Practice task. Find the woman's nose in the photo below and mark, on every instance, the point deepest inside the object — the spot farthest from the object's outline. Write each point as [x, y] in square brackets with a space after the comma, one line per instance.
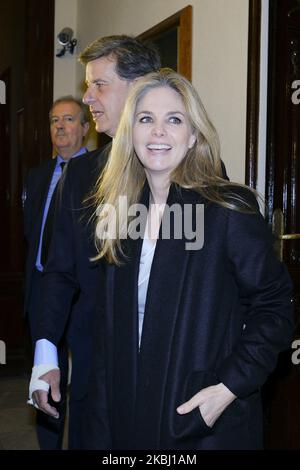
[158, 129]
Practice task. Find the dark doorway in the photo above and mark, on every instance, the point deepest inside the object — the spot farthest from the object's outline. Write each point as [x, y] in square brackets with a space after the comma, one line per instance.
[5, 132]
[282, 391]
[26, 67]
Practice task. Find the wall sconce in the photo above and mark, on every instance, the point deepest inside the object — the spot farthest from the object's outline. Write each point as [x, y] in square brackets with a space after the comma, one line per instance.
[66, 40]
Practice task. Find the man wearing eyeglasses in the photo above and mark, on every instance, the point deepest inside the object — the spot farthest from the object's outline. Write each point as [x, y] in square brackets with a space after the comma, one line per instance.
[69, 124]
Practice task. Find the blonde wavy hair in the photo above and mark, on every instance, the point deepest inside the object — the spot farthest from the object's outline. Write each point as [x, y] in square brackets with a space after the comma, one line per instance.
[124, 175]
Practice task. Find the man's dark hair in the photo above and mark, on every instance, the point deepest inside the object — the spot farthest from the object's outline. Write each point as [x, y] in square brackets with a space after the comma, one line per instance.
[84, 109]
[134, 58]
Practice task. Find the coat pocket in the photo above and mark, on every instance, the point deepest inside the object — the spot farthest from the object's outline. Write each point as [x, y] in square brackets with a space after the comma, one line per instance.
[192, 424]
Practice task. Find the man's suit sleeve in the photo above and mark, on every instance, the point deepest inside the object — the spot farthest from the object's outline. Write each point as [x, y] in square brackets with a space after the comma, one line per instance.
[59, 283]
[266, 286]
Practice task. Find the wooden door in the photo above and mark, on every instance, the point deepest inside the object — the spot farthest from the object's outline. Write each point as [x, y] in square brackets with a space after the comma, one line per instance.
[4, 173]
[38, 81]
[25, 146]
[282, 391]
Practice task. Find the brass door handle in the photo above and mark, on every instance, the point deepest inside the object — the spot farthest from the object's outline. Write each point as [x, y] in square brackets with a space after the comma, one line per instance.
[289, 236]
[278, 229]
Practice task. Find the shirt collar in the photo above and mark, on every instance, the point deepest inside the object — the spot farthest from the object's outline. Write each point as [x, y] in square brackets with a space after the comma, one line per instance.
[81, 151]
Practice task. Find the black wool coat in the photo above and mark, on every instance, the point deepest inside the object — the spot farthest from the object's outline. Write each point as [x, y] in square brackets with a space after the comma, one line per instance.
[218, 314]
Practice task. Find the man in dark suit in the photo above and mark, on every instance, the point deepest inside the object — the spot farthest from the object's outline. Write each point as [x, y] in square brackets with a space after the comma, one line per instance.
[71, 278]
[69, 124]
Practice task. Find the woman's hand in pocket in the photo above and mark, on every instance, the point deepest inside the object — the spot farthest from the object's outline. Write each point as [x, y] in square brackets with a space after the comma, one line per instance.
[212, 401]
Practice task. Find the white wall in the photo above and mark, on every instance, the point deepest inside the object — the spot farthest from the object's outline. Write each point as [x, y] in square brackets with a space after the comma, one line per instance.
[220, 34]
[65, 66]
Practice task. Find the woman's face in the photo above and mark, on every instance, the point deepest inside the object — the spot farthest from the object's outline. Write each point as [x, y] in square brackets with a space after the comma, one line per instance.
[162, 133]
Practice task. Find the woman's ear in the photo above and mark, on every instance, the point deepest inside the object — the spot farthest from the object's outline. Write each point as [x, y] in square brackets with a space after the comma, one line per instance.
[192, 141]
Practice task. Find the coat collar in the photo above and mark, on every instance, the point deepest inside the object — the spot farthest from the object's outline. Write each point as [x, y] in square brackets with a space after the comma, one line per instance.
[167, 272]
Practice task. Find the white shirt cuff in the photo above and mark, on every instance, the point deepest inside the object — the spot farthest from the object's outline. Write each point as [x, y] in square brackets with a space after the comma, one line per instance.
[45, 353]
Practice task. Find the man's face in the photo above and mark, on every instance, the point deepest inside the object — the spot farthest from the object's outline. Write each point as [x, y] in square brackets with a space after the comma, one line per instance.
[106, 94]
[66, 130]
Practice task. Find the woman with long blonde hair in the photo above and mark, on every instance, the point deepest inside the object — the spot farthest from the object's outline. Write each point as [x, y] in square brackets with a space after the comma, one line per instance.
[197, 306]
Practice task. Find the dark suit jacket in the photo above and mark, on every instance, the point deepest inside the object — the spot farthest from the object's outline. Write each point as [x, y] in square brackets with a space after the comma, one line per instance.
[37, 187]
[218, 314]
[70, 278]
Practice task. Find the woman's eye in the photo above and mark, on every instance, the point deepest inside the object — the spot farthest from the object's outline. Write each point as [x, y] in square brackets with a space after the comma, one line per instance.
[145, 119]
[175, 120]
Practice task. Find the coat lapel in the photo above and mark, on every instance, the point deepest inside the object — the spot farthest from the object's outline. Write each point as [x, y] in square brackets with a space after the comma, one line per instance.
[166, 282]
[168, 274]
[126, 337]
[141, 373]
[43, 182]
